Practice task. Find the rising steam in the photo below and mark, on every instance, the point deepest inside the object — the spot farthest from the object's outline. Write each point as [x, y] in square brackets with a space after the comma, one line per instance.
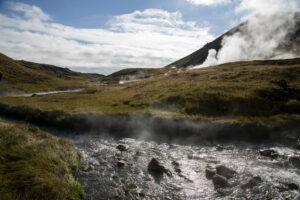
[261, 37]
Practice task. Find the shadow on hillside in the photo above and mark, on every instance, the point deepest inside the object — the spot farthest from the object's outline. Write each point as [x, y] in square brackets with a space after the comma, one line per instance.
[148, 127]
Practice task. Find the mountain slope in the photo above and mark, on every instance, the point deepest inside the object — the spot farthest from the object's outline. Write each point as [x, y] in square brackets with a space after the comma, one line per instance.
[198, 57]
[22, 76]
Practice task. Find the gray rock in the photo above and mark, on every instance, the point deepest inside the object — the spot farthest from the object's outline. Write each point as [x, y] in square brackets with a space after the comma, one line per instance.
[292, 186]
[122, 147]
[219, 148]
[224, 192]
[251, 182]
[297, 145]
[269, 153]
[156, 166]
[295, 160]
[225, 171]
[219, 181]
[121, 163]
[176, 166]
[287, 186]
[209, 172]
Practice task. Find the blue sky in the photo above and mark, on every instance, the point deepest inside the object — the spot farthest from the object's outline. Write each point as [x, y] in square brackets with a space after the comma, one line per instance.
[118, 33]
[96, 13]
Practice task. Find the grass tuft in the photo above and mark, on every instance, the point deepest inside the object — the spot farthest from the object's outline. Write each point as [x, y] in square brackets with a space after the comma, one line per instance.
[37, 166]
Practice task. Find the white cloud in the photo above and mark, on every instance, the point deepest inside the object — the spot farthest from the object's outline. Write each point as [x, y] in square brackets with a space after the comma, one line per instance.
[150, 38]
[210, 2]
[30, 12]
[267, 7]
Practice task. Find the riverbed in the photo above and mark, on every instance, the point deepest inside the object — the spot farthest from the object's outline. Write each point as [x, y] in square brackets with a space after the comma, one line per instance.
[103, 178]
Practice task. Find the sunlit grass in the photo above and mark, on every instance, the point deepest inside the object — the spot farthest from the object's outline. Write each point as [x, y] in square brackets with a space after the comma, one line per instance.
[35, 165]
[243, 90]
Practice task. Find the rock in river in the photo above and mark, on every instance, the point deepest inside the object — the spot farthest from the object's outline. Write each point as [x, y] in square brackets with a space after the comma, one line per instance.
[295, 160]
[225, 171]
[219, 181]
[121, 163]
[269, 153]
[209, 172]
[156, 166]
[122, 147]
[251, 182]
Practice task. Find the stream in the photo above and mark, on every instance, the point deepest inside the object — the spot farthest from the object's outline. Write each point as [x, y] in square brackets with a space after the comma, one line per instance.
[40, 93]
[103, 177]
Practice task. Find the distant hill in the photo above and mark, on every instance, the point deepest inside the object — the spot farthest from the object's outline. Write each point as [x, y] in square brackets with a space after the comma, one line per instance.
[59, 72]
[23, 76]
[133, 74]
[198, 57]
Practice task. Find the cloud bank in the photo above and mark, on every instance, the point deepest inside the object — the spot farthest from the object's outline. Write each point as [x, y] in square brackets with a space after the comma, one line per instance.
[210, 2]
[149, 38]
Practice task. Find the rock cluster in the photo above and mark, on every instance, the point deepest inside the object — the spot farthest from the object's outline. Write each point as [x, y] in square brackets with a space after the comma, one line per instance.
[219, 175]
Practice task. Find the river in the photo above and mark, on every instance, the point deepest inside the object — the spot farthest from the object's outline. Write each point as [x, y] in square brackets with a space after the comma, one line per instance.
[102, 178]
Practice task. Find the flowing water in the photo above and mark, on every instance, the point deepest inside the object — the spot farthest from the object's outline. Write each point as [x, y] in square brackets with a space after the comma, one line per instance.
[103, 179]
[40, 93]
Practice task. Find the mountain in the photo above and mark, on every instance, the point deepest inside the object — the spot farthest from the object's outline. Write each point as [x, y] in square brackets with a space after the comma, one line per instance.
[292, 38]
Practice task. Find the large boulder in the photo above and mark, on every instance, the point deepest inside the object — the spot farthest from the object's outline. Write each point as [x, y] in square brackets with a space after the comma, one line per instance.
[220, 181]
[225, 171]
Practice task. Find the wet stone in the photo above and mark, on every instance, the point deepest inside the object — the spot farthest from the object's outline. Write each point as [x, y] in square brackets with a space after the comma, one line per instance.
[251, 182]
[224, 192]
[219, 148]
[209, 172]
[122, 147]
[219, 181]
[295, 160]
[225, 171]
[287, 186]
[176, 166]
[121, 163]
[156, 166]
[297, 146]
[269, 153]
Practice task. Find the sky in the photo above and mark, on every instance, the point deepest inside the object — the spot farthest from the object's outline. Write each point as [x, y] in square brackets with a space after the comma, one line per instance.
[114, 34]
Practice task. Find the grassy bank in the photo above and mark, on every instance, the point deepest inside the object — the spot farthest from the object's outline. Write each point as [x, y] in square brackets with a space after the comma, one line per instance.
[247, 91]
[161, 128]
[37, 166]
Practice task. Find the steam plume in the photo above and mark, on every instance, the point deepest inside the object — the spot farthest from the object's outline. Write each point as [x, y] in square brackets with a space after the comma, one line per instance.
[271, 35]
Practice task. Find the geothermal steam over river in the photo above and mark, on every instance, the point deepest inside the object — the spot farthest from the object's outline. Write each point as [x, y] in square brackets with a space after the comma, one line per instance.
[118, 169]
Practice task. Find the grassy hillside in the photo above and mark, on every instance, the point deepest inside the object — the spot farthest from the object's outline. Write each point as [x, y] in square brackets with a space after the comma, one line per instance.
[22, 76]
[132, 74]
[257, 89]
[37, 166]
